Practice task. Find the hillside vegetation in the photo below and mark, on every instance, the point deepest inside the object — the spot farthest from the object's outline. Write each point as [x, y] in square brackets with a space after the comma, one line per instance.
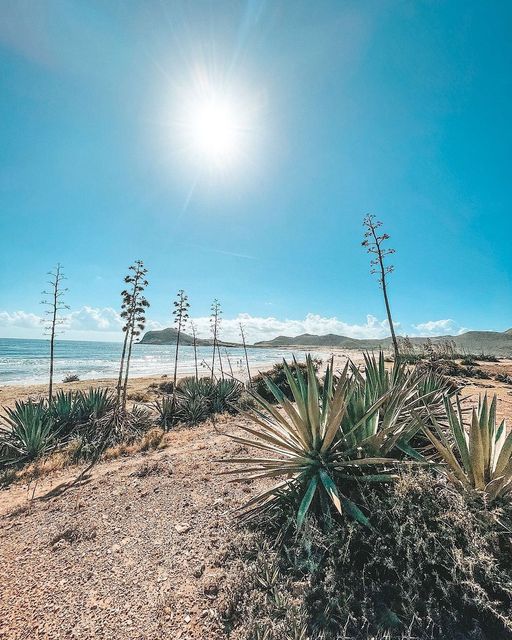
[491, 342]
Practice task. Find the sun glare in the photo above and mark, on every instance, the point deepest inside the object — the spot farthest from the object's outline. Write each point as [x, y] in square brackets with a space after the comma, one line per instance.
[215, 132]
[215, 126]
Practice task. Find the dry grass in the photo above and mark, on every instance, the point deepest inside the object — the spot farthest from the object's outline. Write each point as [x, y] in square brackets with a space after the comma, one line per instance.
[152, 440]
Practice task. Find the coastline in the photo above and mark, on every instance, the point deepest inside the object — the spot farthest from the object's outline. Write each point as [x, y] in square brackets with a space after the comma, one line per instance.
[11, 392]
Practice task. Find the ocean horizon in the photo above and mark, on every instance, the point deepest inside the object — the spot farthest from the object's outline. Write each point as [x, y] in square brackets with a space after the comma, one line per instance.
[26, 361]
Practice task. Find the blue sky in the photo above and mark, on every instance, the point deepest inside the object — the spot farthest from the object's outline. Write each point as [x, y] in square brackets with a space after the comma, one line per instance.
[397, 108]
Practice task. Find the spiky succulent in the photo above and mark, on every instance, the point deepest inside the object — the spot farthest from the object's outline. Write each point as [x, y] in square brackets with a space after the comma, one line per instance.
[28, 433]
[323, 439]
[477, 455]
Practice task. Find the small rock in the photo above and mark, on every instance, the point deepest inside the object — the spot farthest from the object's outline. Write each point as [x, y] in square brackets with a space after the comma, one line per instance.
[116, 548]
[198, 571]
[182, 527]
[187, 619]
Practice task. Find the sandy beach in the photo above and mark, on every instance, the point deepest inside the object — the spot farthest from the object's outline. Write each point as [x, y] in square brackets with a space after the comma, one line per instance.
[145, 388]
[145, 385]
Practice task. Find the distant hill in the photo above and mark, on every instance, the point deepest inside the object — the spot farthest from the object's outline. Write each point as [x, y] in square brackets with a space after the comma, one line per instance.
[491, 342]
[169, 336]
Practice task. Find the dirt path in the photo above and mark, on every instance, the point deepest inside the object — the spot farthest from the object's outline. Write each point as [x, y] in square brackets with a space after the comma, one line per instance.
[131, 554]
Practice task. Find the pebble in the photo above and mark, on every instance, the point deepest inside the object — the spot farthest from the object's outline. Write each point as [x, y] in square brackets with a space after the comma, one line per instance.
[182, 528]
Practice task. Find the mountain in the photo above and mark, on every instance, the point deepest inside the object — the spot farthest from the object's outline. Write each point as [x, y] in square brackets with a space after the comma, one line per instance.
[169, 336]
[490, 342]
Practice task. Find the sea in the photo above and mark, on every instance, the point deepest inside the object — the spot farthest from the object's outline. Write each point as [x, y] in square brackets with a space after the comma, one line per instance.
[26, 362]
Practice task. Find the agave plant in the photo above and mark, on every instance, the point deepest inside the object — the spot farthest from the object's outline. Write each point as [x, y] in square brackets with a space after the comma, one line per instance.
[28, 433]
[478, 455]
[226, 393]
[316, 453]
[194, 409]
[413, 395]
[167, 410]
[202, 387]
[95, 404]
[65, 412]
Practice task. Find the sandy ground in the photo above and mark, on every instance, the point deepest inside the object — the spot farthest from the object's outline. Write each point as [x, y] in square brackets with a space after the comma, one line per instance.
[135, 552]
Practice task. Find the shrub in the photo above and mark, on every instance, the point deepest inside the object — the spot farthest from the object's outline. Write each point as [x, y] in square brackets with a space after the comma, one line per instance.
[71, 377]
[139, 396]
[485, 357]
[431, 566]
[451, 369]
[152, 439]
[277, 375]
[166, 387]
[503, 377]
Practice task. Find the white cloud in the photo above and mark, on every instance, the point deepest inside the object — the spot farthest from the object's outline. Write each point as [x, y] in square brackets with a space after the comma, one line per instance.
[439, 327]
[104, 323]
[19, 319]
[85, 323]
[93, 319]
[264, 328]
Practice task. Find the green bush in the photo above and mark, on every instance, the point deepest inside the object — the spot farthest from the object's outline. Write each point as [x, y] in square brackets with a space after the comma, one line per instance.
[431, 566]
[71, 377]
[452, 369]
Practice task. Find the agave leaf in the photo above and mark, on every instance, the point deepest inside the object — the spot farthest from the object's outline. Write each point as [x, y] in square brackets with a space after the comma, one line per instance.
[331, 489]
[355, 512]
[456, 423]
[327, 390]
[447, 455]
[477, 453]
[313, 403]
[306, 501]
[504, 450]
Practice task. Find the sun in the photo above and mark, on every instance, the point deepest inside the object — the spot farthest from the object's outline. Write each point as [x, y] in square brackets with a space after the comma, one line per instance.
[215, 131]
[215, 126]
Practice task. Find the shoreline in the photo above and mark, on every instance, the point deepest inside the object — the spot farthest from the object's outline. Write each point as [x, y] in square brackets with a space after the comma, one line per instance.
[11, 392]
[25, 369]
